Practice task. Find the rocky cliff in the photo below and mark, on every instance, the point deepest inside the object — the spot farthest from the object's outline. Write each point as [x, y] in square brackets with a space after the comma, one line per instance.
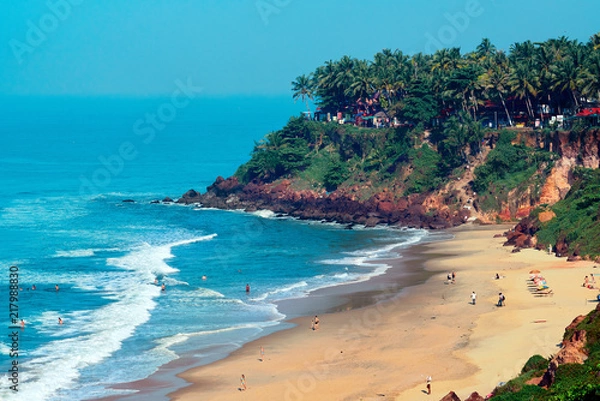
[451, 205]
[341, 206]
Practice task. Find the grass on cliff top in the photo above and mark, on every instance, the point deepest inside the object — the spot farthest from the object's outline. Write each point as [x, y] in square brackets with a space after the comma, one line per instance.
[577, 216]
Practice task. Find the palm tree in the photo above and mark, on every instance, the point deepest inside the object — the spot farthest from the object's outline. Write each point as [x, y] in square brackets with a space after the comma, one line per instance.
[565, 77]
[485, 51]
[595, 41]
[523, 83]
[362, 81]
[303, 89]
[345, 73]
[446, 59]
[496, 80]
[589, 79]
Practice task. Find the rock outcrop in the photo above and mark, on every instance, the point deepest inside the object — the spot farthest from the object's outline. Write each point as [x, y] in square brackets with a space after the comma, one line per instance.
[451, 396]
[572, 349]
[475, 397]
[339, 206]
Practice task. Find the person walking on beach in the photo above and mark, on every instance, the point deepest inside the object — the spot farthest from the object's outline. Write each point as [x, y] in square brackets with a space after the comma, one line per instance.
[473, 297]
[501, 299]
[315, 323]
[243, 383]
[262, 354]
[428, 384]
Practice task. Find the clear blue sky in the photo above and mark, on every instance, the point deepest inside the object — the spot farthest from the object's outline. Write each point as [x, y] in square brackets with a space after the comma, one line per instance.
[141, 47]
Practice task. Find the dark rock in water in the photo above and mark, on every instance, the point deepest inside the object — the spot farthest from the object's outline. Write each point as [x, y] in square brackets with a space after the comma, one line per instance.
[154, 201]
[189, 197]
[475, 397]
[167, 200]
[371, 222]
[128, 201]
[451, 396]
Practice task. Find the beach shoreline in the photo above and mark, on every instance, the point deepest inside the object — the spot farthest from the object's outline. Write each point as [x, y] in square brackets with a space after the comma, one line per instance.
[381, 338]
[402, 272]
[389, 348]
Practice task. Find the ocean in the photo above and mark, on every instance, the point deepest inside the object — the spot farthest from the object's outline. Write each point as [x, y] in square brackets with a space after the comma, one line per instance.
[99, 263]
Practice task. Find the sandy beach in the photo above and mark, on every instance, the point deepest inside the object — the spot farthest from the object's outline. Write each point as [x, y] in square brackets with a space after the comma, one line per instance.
[387, 350]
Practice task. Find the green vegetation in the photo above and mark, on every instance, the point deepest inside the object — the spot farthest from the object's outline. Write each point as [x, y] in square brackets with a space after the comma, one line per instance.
[330, 155]
[577, 216]
[509, 166]
[557, 73]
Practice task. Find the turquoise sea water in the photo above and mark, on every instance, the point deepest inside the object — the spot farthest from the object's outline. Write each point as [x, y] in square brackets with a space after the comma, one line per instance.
[67, 164]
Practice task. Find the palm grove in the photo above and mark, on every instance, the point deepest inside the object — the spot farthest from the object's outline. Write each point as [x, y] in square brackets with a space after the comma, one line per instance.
[420, 156]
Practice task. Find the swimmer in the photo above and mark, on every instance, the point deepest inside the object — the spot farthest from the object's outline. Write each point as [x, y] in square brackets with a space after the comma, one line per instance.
[247, 288]
[22, 323]
[33, 287]
[60, 321]
[203, 277]
[163, 287]
[56, 287]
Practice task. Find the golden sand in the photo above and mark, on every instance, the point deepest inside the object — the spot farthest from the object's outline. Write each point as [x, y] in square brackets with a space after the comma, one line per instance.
[386, 351]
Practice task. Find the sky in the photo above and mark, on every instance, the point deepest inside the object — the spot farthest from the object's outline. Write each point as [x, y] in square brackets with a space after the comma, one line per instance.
[246, 47]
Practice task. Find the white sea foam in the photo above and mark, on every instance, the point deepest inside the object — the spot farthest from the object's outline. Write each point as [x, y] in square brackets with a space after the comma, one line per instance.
[277, 293]
[267, 214]
[165, 344]
[77, 253]
[57, 364]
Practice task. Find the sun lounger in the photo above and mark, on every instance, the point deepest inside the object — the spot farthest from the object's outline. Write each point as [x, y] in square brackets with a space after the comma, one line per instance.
[544, 293]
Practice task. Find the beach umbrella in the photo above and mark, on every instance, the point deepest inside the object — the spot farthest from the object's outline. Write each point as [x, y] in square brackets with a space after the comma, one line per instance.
[534, 271]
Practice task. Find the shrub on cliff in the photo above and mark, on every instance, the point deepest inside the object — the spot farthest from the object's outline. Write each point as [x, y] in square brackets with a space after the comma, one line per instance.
[425, 174]
[509, 166]
[577, 216]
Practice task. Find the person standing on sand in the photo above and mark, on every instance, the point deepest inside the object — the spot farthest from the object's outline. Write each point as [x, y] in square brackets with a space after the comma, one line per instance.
[473, 297]
[243, 383]
[501, 299]
[315, 323]
[262, 354]
[428, 384]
